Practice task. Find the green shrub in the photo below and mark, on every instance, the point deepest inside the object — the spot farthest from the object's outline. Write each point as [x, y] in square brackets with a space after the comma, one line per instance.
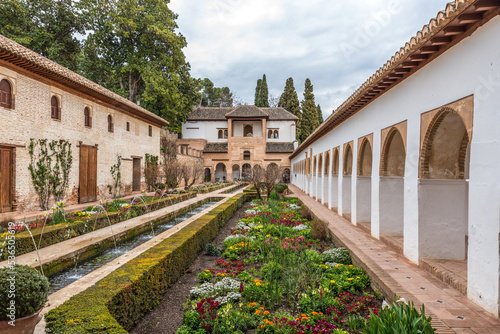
[399, 319]
[280, 188]
[337, 255]
[274, 196]
[212, 250]
[313, 257]
[26, 287]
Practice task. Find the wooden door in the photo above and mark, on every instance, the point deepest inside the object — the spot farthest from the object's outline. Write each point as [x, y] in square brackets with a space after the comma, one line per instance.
[136, 173]
[5, 179]
[88, 174]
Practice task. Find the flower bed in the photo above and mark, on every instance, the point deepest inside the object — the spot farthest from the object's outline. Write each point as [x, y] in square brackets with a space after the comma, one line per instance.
[274, 277]
[117, 302]
[83, 223]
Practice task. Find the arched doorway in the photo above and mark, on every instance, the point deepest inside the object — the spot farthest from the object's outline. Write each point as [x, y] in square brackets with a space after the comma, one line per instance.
[246, 171]
[236, 172]
[391, 187]
[220, 172]
[286, 175]
[208, 175]
[443, 189]
[346, 181]
[364, 183]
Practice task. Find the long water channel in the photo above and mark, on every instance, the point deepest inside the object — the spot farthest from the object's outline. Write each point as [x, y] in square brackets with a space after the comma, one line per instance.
[69, 275]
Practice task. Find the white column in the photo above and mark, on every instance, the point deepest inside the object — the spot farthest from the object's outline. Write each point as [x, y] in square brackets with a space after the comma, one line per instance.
[375, 218]
[340, 209]
[411, 250]
[330, 180]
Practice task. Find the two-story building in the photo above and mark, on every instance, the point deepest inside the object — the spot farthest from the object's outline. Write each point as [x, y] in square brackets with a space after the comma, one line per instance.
[43, 100]
[235, 140]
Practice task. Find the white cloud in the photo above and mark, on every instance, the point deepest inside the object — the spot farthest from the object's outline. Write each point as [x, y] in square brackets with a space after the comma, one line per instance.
[337, 44]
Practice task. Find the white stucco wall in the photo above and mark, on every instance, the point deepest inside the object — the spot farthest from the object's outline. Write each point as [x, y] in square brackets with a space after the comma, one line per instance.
[204, 130]
[286, 131]
[470, 68]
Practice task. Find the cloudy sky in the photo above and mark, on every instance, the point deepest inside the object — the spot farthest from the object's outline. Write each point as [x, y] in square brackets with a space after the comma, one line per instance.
[337, 44]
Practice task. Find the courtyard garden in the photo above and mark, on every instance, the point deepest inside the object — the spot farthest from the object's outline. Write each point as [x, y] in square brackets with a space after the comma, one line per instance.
[278, 273]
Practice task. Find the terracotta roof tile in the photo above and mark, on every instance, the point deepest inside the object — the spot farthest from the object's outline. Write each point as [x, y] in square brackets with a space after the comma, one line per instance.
[215, 148]
[279, 147]
[221, 114]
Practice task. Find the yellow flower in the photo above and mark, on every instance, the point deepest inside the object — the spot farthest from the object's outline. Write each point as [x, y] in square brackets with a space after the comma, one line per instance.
[332, 281]
[350, 279]
[326, 267]
[358, 277]
[350, 265]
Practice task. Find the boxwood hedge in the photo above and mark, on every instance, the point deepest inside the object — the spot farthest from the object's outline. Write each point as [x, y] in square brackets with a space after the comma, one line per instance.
[118, 301]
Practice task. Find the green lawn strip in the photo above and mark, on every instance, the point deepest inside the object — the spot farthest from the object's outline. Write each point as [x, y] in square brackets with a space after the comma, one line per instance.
[118, 301]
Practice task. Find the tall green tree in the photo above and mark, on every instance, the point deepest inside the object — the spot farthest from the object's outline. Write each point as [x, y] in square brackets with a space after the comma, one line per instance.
[290, 101]
[309, 112]
[257, 91]
[263, 96]
[140, 55]
[320, 114]
[212, 96]
[48, 27]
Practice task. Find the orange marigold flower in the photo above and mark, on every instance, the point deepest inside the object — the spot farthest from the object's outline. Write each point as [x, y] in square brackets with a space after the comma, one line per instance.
[314, 313]
[266, 312]
[257, 311]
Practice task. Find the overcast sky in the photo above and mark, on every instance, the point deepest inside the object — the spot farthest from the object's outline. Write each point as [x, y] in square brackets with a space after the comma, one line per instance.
[337, 44]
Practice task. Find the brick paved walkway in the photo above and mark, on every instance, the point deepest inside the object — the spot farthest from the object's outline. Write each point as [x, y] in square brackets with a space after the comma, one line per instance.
[392, 274]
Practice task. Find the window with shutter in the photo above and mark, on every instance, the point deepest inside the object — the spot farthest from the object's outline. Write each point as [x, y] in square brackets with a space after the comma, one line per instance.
[88, 117]
[55, 112]
[5, 94]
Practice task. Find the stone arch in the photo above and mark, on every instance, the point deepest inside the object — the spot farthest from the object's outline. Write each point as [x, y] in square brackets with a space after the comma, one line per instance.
[220, 172]
[6, 93]
[248, 130]
[208, 175]
[236, 172]
[320, 164]
[393, 155]
[365, 158]
[327, 162]
[246, 171]
[347, 168]
[444, 149]
[335, 161]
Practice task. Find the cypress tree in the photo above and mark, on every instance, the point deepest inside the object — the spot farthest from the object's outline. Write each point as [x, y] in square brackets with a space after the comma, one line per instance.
[309, 112]
[320, 114]
[289, 100]
[263, 96]
[257, 90]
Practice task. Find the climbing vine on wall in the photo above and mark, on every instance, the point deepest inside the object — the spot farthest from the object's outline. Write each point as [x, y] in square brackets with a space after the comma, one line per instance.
[50, 165]
[117, 176]
[151, 171]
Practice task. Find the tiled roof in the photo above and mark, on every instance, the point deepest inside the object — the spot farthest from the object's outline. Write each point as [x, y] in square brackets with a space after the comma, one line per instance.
[457, 21]
[247, 111]
[18, 55]
[221, 114]
[279, 147]
[215, 148]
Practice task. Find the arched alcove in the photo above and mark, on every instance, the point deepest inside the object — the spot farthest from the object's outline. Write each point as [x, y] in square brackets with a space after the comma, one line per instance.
[236, 172]
[443, 190]
[393, 155]
[220, 172]
[348, 160]
[246, 171]
[365, 159]
[208, 175]
[346, 181]
[334, 202]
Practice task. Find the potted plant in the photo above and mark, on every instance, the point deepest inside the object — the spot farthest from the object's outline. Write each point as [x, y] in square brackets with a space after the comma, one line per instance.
[23, 293]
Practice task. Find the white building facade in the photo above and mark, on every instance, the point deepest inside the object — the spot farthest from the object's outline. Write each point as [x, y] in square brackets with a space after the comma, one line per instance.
[413, 154]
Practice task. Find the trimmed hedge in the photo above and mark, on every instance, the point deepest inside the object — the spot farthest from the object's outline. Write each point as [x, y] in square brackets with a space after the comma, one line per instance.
[96, 248]
[205, 190]
[117, 302]
[60, 232]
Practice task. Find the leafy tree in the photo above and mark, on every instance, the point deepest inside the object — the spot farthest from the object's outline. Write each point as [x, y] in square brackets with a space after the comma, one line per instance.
[47, 27]
[138, 54]
[214, 96]
[263, 95]
[309, 112]
[320, 114]
[290, 101]
[257, 90]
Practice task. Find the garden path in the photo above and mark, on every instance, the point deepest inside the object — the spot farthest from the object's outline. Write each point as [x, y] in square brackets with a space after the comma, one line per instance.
[393, 275]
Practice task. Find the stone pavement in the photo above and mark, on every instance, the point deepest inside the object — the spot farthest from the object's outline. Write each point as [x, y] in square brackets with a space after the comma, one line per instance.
[393, 275]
